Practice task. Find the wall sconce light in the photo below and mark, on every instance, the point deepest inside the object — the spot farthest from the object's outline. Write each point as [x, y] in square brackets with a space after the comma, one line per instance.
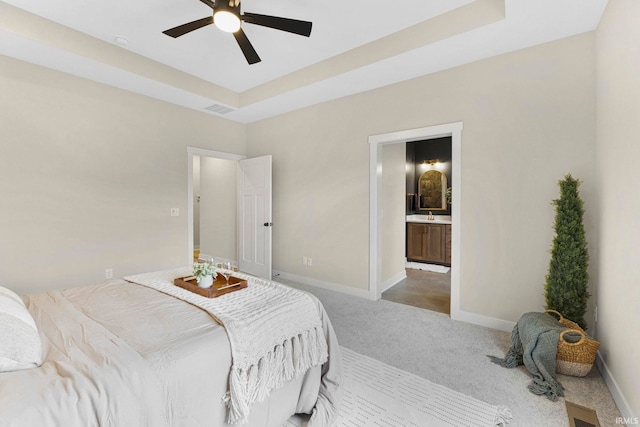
[433, 163]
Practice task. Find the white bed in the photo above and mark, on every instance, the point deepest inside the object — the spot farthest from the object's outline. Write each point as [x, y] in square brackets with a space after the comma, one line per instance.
[121, 354]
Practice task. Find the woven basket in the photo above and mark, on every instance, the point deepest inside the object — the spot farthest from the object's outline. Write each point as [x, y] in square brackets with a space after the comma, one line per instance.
[574, 358]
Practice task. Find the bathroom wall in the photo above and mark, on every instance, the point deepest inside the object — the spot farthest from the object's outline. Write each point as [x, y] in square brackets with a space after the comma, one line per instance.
[393, 214]
[419, 151]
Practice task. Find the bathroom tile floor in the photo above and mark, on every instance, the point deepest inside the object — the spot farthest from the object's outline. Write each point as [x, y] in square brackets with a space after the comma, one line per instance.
[423, 289]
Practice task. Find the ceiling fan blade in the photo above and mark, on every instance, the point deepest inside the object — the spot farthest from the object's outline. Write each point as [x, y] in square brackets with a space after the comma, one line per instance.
[248, 50]
[183, 29]
[209, 3]
[295, 26]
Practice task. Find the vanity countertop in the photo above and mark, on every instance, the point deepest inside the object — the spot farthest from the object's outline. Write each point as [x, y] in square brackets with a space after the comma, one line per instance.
[437, 219]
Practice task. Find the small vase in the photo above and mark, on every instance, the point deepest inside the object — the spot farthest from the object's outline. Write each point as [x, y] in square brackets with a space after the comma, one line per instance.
[205, 282]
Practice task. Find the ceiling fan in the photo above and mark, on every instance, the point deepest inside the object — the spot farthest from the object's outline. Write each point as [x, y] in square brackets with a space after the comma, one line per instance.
[227, 17]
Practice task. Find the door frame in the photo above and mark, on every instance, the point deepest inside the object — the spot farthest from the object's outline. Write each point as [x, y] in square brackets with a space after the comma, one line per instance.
[203, 152]
[454, 130]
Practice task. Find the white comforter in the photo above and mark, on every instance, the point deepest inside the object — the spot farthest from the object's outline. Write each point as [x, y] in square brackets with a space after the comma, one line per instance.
[120, 354]
[274, 331]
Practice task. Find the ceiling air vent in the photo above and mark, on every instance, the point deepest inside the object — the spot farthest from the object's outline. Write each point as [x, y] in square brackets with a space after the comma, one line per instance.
[219, 109]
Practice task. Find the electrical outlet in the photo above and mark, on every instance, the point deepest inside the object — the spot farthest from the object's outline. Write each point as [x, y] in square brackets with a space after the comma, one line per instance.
[108, 273]
[309, 262]
[175, 212]
[304, 260]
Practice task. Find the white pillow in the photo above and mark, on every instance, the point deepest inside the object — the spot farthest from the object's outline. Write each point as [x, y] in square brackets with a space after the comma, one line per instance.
[20, 346]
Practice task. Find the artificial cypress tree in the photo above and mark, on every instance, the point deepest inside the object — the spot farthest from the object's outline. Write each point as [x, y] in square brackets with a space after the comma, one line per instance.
[567, 279]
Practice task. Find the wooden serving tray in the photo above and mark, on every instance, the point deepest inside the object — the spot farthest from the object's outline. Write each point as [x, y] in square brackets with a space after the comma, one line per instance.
[218, 288]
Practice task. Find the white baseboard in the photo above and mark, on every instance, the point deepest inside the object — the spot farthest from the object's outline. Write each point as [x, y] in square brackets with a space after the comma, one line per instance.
[392, 281]
[616, 393]
[482, 320]
[362, 293]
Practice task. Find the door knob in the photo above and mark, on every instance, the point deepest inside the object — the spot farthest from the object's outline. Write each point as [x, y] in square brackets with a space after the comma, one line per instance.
[268, 224]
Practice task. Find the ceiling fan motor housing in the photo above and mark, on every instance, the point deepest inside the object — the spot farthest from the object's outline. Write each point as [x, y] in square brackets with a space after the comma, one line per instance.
[223, 5]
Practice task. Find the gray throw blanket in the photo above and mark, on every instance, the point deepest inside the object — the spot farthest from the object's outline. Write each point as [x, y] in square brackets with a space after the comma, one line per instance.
[534, 343]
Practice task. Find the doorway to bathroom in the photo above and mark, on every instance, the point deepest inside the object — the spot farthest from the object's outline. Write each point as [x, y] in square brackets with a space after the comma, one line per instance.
[388, 244]
[427, 229]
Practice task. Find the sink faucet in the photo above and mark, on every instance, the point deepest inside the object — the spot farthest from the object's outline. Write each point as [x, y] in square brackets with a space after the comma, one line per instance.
[430, 217]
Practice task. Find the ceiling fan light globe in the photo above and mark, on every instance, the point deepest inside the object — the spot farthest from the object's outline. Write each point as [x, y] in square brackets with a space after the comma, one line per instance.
[226, 21]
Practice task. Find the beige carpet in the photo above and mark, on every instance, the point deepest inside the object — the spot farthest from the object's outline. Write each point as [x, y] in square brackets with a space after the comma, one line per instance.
[453, 354]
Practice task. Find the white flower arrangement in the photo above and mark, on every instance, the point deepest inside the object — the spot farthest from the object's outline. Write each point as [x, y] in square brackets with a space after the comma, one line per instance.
[202, 269]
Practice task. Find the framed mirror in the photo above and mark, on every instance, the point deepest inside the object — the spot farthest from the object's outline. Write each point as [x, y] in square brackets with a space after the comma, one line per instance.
[432, 189]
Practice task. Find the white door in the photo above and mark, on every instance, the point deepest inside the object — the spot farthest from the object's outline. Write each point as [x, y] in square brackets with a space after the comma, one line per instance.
[254, 216]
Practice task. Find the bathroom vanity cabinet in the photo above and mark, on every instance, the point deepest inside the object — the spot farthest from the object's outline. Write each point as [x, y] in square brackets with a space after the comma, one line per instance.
[429, 242]
[447, 244]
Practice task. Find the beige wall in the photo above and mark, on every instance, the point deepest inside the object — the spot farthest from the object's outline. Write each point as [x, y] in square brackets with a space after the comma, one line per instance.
[528, 120]
[393, 221]
[618, 151]
[320, 191]
[218, 189]
[88, 175]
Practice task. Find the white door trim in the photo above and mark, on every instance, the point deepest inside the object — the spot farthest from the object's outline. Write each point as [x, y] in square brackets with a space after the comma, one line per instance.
[191, 152]
[375, 188]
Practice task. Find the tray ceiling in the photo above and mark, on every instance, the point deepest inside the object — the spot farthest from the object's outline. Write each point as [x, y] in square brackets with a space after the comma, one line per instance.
[354, 46]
